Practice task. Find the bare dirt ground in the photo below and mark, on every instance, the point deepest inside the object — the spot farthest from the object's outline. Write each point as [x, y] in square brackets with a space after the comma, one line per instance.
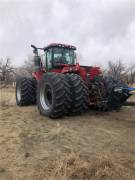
[93, 146]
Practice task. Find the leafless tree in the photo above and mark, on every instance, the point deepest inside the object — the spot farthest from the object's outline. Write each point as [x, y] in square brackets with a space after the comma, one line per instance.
[28, 64]
[6, 71]
[131, 74]
[26, 69]
[121, 72]
[117, 69]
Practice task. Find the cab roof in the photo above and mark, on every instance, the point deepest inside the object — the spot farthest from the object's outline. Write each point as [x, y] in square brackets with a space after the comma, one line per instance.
[59, 45]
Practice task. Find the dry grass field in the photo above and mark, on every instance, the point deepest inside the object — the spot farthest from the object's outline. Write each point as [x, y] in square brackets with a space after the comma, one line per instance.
[95, 145]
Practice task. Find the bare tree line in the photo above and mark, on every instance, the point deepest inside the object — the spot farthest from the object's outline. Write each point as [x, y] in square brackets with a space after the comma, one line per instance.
[120, 71]
[8, 73]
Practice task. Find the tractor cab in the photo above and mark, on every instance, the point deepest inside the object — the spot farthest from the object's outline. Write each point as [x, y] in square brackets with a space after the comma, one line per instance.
[59, 56]
[56, 56]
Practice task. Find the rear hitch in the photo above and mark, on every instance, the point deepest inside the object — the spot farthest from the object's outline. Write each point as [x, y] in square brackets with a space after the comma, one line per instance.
[119, 95]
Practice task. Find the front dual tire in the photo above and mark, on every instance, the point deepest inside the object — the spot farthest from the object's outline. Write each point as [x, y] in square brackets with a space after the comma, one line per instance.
[61, 94]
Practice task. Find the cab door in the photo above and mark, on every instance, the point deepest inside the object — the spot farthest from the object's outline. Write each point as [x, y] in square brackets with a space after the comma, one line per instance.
[49, 59]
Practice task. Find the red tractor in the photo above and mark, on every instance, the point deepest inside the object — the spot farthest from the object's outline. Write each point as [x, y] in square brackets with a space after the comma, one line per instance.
[60, 86]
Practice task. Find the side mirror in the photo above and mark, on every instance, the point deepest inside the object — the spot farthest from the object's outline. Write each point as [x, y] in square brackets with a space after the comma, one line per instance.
[33, 46]
[35, 49]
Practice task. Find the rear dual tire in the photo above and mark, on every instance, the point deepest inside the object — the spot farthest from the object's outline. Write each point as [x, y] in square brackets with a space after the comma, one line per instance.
[25, 91]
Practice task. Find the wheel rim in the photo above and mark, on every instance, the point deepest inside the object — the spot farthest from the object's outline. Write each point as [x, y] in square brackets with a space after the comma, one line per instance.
[46, 97]
[18, 94]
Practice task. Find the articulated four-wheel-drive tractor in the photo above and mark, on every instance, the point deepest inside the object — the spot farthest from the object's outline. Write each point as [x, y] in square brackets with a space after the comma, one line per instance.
[60, 86]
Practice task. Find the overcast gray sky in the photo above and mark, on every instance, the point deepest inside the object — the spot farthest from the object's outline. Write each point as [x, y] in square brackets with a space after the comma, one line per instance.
[102, 30]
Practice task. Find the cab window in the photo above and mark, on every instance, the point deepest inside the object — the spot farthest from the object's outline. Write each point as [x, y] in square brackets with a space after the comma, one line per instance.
[63, 55]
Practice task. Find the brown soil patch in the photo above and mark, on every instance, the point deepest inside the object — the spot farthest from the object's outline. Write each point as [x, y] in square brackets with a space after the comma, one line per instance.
[93, 146]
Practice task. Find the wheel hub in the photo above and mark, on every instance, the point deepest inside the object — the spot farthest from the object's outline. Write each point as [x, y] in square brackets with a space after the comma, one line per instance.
[19, 94]
[46, 97]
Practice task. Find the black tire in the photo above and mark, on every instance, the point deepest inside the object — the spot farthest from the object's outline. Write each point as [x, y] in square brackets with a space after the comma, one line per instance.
[51, 95]
[34, 82]
[68, 94]
[86, 96]
[79, 94]
[25, 91]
